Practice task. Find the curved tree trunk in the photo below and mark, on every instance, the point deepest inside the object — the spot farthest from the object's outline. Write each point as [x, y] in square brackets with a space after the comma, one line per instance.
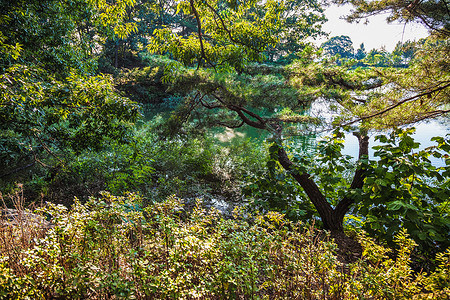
[332, 218]
[358, 180]
[349, 250]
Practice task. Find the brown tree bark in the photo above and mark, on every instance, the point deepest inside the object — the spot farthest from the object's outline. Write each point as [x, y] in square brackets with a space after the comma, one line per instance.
[349, 250]
[332, 218]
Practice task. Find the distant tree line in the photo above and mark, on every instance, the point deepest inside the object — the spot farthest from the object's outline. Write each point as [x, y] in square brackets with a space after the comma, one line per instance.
[341, 47]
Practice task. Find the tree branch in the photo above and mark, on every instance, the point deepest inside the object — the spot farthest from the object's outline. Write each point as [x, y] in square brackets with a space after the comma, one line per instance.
[200, 37]
[309, 186]
[228, 125]
[398, 104]
[358, 179]
[261, 123]
[210, 106]
[250, 113]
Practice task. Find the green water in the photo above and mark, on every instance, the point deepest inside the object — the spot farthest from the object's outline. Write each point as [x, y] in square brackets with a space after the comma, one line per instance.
[307, 141]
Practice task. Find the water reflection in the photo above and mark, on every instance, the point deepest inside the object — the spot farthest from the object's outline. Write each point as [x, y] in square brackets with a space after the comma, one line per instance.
[424, 132]
[307, 140]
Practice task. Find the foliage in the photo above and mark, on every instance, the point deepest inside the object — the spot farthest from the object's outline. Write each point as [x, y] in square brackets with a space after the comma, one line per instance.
[238, 98]
[378, 58]
[41, 115]
[112, 17]
[271, 189]
[404, 53]
[277, 190]
[385, 278]
[424, 86]
[261, 89]
[187, 165]
[360, 52]
[145, 16]
[60, 36]
[51, 101]
[341, 45]
[143, 85]
[404, 190]
[232, 34]
[302, 19]
[44, 32]
[109, 247]
[432, 14]
[55, 112]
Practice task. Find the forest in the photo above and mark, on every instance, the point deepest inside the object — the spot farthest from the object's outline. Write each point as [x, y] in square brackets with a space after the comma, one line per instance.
[195, 149]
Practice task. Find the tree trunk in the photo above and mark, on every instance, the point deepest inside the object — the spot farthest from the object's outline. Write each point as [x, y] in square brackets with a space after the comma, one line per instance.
[349, 250]
[358, 179]
[116, 55]
[332, 218]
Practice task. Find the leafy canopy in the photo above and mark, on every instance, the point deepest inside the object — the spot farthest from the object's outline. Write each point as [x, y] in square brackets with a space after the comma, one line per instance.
[234, 33]
[422, 90]
[341, 45]
[49, 97]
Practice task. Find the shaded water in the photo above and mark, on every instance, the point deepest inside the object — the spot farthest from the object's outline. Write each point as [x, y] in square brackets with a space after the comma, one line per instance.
[307, 141]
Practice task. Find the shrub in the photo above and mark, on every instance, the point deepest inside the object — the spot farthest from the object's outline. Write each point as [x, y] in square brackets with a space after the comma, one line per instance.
[110, 247]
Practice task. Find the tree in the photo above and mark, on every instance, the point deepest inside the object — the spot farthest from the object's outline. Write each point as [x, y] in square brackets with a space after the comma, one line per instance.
[237, 99]
[232, 34]
[361, 52]
[61, 36]
[432, 14]
[301, 19]
[424, 86]
[237, 96]
[50, 99]
[404, 53]
[378, 58]
[268, 98]
[147, 15]
[45, 32]
[341, 45]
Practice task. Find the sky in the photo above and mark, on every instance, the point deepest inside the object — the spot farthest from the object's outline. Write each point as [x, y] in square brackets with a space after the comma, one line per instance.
[374, 35]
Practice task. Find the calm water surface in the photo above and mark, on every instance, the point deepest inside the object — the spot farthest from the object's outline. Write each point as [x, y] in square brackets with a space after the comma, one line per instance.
[424, 132]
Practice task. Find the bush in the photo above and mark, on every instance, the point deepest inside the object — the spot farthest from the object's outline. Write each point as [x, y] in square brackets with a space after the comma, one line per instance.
[110, 247]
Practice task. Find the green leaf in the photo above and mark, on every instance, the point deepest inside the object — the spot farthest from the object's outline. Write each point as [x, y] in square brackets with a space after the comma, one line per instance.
[422, 235]
[395, 205]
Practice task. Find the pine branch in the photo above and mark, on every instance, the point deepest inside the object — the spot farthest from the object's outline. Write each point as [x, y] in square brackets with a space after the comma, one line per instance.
[379, 113]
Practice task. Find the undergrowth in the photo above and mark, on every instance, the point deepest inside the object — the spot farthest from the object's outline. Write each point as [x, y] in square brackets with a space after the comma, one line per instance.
[110, 248]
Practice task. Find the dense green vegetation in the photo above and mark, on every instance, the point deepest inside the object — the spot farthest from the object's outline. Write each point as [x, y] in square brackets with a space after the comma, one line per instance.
[80, 82]
[109, 248]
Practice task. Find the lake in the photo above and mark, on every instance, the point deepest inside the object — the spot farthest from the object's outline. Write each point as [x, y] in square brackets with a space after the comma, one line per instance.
[425, 130]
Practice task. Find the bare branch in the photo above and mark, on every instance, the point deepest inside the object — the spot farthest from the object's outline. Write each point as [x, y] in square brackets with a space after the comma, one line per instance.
[250, 113]
[260, 125]
[211, 105]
